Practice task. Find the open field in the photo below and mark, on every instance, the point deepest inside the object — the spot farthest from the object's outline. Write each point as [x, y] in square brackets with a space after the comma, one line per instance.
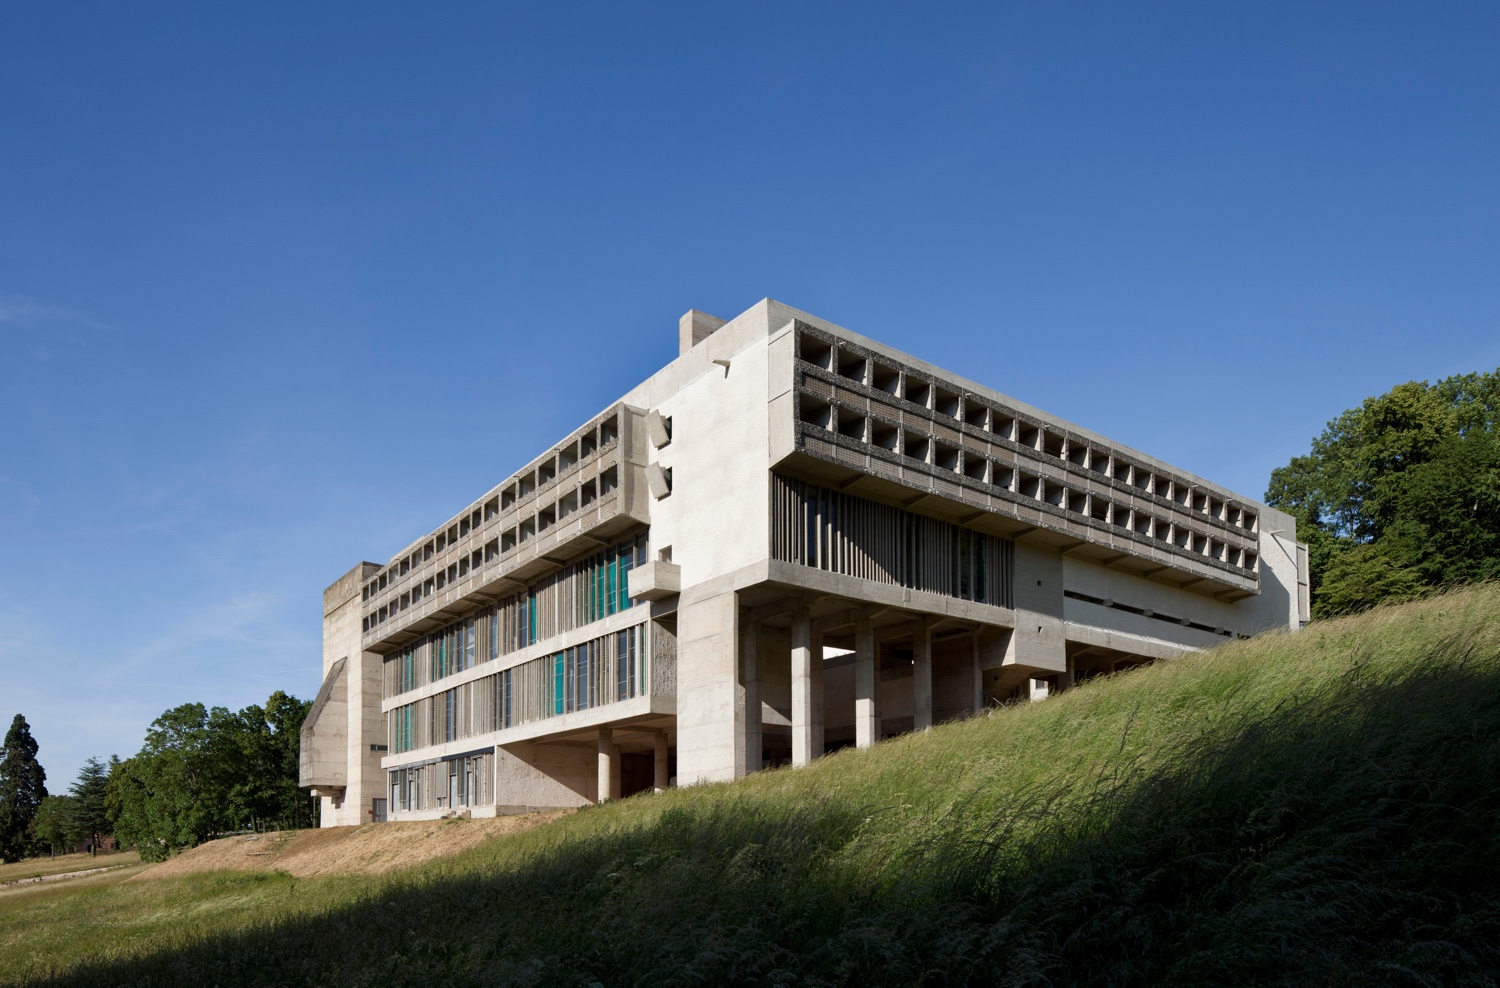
[64, 863]
[1314, 809]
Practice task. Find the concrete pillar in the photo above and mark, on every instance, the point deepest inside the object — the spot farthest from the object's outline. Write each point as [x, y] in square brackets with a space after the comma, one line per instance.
[921, 677]
[866, 708]
[750, 677]
[807, 689]
[1036, 689]
[609, 776]
[663, 776]
[977, 675]
[710, 696]
[1066, 679]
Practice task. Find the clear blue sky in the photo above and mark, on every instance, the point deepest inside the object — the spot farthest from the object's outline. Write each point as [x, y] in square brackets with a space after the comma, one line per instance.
[282, 286]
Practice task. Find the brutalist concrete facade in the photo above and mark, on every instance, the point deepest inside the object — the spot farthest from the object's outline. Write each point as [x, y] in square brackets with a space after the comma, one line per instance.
[788, 540]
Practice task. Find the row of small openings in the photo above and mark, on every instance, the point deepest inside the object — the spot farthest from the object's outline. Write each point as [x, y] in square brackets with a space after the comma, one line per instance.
[980, 416]
[1082, 455]
[882, 377]
[586, 493]
[560, 461]
[946, 456]
[1102, 509]
[450, 536]
[1148, 612]
[1103, 463]
[452, 574]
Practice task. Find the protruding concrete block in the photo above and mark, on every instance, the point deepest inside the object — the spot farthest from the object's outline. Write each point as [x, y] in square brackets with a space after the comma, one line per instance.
[324, 754]
[656, 580]
[656, 480]
[658, 428]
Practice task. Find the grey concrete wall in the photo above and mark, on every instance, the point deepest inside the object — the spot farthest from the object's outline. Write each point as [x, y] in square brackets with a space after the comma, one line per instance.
[363, 724]
[1039, 641]
[531, 776]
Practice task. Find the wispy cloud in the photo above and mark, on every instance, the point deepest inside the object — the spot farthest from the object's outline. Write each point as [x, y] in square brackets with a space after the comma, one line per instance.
[47, 327]
[24, 312]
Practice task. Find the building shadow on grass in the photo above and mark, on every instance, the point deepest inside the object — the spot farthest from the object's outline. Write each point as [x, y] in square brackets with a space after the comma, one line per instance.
[1348, 837]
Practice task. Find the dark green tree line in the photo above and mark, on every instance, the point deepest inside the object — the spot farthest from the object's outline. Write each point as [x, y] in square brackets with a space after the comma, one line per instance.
[80, 817]
[1400, 494]
[206, 771]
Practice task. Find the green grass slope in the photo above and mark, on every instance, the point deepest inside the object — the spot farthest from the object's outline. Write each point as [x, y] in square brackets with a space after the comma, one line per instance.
[1320, 808]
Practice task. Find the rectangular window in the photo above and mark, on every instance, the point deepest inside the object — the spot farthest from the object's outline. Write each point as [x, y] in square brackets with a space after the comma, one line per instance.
[622, 667]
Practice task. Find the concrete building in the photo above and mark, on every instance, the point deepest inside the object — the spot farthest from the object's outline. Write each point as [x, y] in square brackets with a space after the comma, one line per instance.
[788, 540]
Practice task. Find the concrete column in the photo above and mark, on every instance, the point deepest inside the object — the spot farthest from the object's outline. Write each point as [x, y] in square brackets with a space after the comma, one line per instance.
[750, 676]
[710, 696]
[866, 708]
[1066, 679]
[807, 689]
[977, 675]
[921, 677]
[609, 785]
[1036, 689]
[663, 776]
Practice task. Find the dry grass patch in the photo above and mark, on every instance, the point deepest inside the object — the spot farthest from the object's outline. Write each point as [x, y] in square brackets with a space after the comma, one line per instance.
[372, 848]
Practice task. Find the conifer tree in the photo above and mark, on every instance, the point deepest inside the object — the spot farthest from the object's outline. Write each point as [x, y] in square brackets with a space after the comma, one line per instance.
[87, 817]
[22, 789]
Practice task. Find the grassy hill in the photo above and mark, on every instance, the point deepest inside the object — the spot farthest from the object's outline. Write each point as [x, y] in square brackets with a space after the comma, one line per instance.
[1320, 808]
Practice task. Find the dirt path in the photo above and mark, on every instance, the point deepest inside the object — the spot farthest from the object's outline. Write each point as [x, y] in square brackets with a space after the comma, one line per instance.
[370, 848]
[58, 878]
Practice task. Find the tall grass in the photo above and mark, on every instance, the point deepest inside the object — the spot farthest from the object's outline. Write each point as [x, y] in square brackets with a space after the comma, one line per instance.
[1311, 809]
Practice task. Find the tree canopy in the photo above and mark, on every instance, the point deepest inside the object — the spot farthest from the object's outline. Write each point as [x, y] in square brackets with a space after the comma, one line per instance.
[205, 771]
[1400, 494]
[50, 827]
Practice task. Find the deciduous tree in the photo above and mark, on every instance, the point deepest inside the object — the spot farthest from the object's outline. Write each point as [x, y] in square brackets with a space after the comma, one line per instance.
[1400, 494]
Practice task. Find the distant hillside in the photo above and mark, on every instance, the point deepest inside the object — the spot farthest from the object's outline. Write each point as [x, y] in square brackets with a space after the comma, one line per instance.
[1318, 808]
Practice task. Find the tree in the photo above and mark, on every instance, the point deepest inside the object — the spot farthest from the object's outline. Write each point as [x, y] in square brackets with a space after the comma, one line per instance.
[168, 796]
[51, 824]
[1362, 577]
[1400, 493]
[22, 789]
[205, 771]
[88, 818]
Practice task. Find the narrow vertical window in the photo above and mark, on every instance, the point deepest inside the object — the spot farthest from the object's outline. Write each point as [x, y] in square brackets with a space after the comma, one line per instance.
[622, 666]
